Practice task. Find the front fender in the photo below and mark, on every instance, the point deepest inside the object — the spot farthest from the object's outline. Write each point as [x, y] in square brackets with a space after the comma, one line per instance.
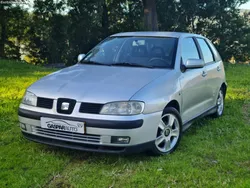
[159, 93]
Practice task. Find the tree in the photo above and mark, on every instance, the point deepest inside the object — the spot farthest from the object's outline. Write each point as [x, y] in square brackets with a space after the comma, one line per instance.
[85, 26]
[57, 31]
[222, 23]
[169, 16]
[125, 15]
[150, 15]
[12, 27]
[48, 33]
[105, 19]
[218, 20]
[3, 20]
[5, 15]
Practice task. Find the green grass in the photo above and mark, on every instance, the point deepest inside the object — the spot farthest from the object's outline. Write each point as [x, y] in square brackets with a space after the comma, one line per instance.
[212, 153]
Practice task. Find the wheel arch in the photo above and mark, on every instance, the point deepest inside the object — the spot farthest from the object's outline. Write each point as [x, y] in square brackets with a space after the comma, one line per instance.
[224, 88]
[174, 104]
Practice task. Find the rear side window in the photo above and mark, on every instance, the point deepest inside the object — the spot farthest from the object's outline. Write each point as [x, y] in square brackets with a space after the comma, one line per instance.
[207, 54]
[214, 50]
[189, 50]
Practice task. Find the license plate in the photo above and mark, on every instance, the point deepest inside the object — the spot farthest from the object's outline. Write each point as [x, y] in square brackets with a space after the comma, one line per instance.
[62, 125]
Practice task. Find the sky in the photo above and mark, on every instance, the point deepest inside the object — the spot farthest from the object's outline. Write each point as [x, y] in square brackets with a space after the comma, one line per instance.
[245, 6]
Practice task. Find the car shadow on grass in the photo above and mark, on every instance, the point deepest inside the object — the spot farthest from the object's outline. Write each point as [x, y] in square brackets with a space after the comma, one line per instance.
[98, 157]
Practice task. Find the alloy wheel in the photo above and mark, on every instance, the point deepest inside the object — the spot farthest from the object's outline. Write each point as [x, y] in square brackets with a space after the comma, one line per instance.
[220, 103]
[168, 133]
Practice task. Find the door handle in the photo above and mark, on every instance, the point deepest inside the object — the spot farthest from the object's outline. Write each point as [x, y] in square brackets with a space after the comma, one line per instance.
[218, 68]
[204, 73]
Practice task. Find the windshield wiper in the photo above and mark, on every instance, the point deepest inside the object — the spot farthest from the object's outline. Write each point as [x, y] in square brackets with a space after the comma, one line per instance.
[131, 65]
[93, 63]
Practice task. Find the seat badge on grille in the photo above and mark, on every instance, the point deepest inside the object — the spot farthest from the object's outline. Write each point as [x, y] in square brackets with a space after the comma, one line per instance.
[65, 106]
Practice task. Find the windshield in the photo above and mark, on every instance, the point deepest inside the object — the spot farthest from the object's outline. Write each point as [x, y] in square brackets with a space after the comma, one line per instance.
[134, 51]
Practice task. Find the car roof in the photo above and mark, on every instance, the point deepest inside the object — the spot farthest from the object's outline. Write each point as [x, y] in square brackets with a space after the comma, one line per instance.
[155, 34]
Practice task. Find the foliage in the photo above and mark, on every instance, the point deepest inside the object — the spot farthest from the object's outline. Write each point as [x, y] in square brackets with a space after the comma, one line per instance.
[220, 21]
[57, 31]
[11, 23]
[212, 153]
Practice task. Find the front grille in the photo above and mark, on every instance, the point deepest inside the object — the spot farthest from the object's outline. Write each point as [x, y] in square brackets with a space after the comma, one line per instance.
[67, 136]
[44, 103]
[90, 108]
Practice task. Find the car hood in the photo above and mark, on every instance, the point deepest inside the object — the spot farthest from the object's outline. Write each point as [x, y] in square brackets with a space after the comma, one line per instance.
[95, 83]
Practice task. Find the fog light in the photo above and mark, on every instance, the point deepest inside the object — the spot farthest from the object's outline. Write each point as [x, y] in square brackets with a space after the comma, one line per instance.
[23, 126]
[120, 139]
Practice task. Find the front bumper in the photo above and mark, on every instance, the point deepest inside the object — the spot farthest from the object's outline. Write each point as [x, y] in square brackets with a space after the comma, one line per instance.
[89, 147]
[99, 130]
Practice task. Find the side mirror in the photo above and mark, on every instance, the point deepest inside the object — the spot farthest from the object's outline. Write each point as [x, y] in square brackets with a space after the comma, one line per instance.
[194, 64]
[80, 57]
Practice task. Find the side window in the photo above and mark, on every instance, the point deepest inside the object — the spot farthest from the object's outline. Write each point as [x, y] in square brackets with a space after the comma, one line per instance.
[208, 56]
[214, 50]
[189, 49]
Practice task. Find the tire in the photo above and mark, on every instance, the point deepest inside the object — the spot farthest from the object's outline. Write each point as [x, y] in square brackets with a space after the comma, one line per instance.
[220, 104]
[169, 132]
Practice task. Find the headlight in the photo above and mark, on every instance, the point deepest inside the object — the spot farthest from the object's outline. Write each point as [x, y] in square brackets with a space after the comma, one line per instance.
[29, 99]
[123, 108]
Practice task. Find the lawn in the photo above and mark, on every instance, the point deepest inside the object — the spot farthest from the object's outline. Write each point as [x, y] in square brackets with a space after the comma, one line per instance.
[212, 153]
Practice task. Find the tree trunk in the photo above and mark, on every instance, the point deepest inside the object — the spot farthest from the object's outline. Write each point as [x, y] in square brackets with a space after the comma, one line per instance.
[150, 15]
[105, 19]
[3, 32]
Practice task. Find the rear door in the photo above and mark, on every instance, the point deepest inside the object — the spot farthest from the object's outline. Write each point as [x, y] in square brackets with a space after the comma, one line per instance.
[214, 67]
[193, 83]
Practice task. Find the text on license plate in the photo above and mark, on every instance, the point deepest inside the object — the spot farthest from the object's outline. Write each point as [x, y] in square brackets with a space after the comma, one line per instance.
[62, 125]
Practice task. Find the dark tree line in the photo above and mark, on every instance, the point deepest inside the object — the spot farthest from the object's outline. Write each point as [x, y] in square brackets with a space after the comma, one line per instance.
[57, 31]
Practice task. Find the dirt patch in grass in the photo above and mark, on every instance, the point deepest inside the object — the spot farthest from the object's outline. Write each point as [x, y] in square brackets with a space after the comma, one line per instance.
[246, 112]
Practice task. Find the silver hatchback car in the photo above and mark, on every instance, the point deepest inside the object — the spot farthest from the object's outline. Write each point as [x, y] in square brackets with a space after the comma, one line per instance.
[133, 92]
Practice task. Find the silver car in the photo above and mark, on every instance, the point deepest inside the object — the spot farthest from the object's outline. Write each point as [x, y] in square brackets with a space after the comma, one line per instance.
[133, 92]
